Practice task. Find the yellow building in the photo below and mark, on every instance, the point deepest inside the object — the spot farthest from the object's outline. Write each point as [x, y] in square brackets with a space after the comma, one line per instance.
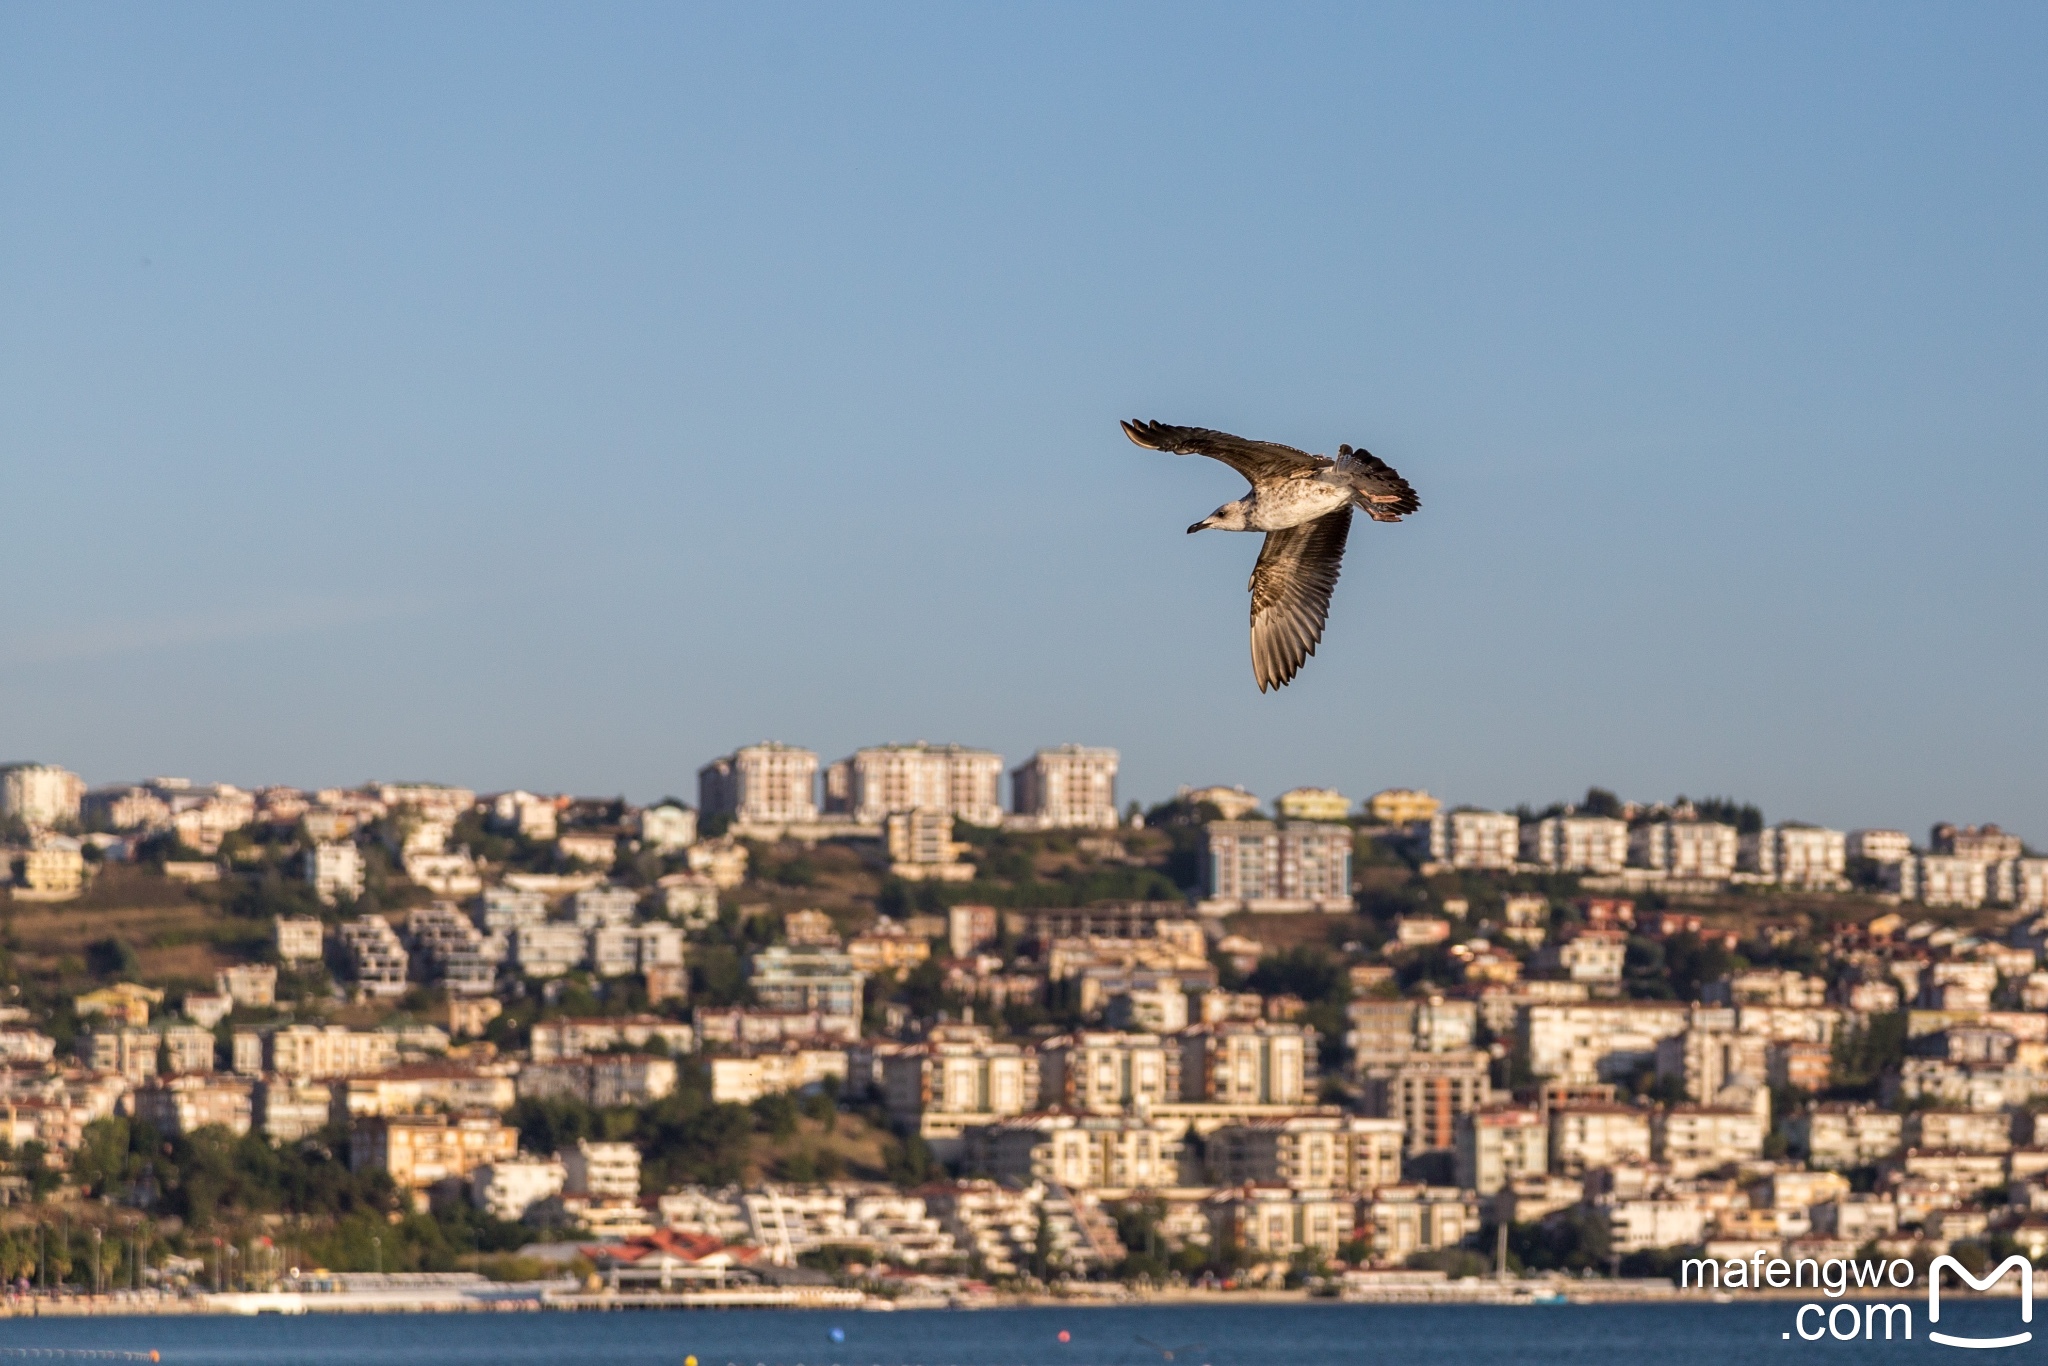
[887, 947]
[1233, 803]
[123, 1003]
[1313, 804]
[55, 865]
[1402, 806]
[418, 1151]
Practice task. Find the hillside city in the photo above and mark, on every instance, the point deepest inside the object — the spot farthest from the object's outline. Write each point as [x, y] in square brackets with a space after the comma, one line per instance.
[865, 1025]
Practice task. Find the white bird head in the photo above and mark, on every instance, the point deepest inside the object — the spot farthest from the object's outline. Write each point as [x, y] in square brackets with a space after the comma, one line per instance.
[1229, 517]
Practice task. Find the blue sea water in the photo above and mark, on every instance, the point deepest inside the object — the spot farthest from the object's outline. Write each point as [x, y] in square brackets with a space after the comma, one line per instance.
[1691, 1333]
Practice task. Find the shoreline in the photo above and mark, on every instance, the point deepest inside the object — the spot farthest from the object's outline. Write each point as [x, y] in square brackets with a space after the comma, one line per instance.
[1472, 1292]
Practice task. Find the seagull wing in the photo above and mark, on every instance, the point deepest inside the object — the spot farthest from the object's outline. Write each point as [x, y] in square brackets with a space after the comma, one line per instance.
[1291, 586]
[1383, 493]
[1255, 460]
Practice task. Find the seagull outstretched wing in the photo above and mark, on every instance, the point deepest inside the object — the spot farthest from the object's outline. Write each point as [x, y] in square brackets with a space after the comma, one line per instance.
[1255, 460]
[1291, 586]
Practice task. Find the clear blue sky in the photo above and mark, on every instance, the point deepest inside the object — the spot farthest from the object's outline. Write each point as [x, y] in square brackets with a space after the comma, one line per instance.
[560, 396]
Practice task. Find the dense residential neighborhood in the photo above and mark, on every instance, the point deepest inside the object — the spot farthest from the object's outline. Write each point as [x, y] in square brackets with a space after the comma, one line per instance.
[864, 1023]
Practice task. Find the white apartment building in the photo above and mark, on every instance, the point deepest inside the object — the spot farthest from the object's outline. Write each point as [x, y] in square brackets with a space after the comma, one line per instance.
[434, 801]
[1407, 1219]
[376, 955]
[310, 1052]
[549, 950]
[299, 939]
[40, 794]
[1474, 839]
[1067, 787]
[2026, 883]
[604, 1080]
[1701, 1136]
[287, 1109]
[125, 807]
[1259, 866]
[248, 984]
[1079, 1152]
[1595, 957]
[1938, 880]
[873, 782]
[1241, 1063]
[667, 828]
[524, 813]
[504, 908]
[1591, 1135]
[131, 1053]
[820, 980]
[449, 874]
[1856, 1218]
[204, 815]
[507, 1190]
[1685, 849]
[764, 784]
[1640, 1224]
[1321, 1151]
[745, 1078]
[1705, 1059]
[616, 950]
[335, 872]
[602, 1170]
[1576, 844]
[604, 905]
[1880, 846]
[1498, 1146]
[18, 1044]
[1598, 1041]
[1104, 1072]
[921, 846]
[1837, 1134]
[1985, 843]
[1954, 1130]
[1796, 856]
[956, 1077]
[181, 1105]
[571, 1037]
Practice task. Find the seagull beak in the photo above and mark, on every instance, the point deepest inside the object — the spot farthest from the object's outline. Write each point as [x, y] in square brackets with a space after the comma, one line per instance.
[1198, 526]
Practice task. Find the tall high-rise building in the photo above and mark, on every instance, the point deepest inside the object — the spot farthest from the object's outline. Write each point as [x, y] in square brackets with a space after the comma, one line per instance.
[873, 782]
[767, 784]
[1259, 866]
[40, 794]
[1068, 787]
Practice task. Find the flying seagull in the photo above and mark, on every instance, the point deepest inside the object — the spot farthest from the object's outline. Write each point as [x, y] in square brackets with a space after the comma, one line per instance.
[1303, 503]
